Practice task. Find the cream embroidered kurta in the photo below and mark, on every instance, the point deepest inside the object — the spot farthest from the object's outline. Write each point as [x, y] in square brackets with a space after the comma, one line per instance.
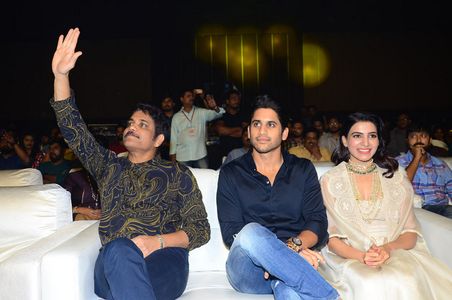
[407, 274]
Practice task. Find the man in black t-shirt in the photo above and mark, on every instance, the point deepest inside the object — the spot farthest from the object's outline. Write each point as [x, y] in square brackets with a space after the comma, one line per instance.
[230, 126]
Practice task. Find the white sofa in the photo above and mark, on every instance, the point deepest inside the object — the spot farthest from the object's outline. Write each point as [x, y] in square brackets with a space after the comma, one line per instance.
[43, 253]
[60, 263]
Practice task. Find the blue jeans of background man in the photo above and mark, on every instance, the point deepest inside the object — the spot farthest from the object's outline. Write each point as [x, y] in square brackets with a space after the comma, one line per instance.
[256, 250]
[202, 163]
[121, 272]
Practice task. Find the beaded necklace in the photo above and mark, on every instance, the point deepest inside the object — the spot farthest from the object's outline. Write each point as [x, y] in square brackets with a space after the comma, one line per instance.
[369, 208]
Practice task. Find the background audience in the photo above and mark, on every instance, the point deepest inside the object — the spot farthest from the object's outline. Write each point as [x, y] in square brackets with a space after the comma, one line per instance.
[310, 148]
[55, 170]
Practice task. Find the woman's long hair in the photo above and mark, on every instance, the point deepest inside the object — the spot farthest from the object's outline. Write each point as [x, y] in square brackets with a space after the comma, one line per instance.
[341, 153]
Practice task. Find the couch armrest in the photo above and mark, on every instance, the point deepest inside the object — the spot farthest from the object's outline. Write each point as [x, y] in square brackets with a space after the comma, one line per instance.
[68, 270]
[437, 232]
[23, 273]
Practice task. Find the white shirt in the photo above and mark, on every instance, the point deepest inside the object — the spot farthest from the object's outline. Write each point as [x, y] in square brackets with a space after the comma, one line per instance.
[188, 133]
[329, 141]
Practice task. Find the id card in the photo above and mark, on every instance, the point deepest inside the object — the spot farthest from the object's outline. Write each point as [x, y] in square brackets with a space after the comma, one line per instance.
[191, 131]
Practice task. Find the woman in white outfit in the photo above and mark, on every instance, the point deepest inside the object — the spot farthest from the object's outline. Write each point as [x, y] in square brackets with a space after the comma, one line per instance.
[376, 249]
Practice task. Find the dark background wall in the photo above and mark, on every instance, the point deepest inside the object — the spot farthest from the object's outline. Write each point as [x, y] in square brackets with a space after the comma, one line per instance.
[383, 57]
[385, 71]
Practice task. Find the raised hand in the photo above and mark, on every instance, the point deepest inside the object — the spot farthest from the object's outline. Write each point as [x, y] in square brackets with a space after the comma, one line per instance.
[65, 56]
[418, 151]
[210, 102]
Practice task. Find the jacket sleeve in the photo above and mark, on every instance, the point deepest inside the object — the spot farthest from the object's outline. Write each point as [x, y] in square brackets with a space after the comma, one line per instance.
[228, 206]
[91, 154]
[210, 114]
[314, 212]
[173, 137]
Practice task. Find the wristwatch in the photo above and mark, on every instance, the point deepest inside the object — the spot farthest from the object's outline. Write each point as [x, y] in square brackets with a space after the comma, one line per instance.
[295, 244]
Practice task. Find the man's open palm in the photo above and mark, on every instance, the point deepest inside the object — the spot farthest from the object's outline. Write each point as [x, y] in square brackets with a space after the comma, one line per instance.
[65, 56]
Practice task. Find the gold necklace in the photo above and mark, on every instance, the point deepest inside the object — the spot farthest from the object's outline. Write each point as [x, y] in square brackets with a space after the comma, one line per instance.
[370, 208]
[361, 169]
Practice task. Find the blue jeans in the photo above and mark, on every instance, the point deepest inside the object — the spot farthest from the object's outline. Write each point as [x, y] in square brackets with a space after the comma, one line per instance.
[256, 250]
[121, 272]
[202, 163]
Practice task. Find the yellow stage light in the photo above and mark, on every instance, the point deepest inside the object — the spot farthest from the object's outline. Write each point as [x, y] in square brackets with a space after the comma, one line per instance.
[316, 65]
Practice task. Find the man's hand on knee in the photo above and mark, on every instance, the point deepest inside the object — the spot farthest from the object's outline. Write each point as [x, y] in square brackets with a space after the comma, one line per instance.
[314, 258]
[147, 244]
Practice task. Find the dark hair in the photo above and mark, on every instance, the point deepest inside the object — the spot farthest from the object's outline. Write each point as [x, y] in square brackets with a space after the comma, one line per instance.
[156, 115]
[310, 129]
[265, 101]
[232, 92]
[297, 121]
[61, 142]
[380, 157]
[166, 95]
[333, 116]
[418, 127]
[183, 91]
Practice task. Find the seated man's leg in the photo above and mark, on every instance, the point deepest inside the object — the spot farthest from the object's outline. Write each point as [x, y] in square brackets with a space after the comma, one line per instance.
[443, 210]
[448, 211]
[168, 271]
[243, 274]
[188, 163]
[282, 291]
[202, 163]
[266, 251]
[121, 272]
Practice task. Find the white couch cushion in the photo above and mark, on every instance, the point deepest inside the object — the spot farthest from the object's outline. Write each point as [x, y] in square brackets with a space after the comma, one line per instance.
[437, 232]
[207, 180]
[447, 160]
[58, 266]
[213, 255]
[214, 285]
[322, 167]
[21, 177]
[30, 213]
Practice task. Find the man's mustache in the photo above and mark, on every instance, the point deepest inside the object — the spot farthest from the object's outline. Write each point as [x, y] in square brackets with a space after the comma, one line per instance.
[418, 144]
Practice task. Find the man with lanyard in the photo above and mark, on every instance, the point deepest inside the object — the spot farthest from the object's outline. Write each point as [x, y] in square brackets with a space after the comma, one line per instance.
[189, 132]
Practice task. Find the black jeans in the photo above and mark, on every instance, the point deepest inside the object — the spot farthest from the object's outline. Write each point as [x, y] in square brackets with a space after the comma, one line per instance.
[443, 210]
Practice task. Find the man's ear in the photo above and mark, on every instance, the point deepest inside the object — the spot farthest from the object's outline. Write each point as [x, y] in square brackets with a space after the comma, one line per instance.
[285, 134]
[159, 140]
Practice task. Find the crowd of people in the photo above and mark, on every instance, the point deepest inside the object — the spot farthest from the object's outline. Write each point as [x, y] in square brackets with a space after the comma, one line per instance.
[289, 234]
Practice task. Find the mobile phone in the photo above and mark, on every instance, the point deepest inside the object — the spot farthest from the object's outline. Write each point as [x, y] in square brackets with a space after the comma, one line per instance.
[197, 91]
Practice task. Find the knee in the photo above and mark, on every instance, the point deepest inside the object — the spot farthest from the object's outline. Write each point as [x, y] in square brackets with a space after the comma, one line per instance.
[253, 235]
[249, 231]
[118, 248]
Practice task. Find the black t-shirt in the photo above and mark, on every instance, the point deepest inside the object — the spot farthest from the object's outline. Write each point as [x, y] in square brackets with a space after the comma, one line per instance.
[229, 143]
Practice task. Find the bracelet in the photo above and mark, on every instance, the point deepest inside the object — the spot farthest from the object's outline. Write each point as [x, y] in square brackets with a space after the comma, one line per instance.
[161, 240]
